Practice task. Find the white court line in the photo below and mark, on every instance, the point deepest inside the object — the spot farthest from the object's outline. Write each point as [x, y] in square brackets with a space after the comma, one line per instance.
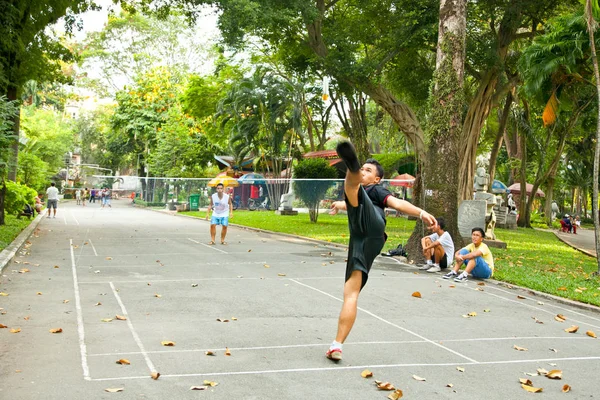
[551, 305]
[80, 330]
[389, 323]
[133, 332]
[538, 308]
[74, 218]
[354, 367]
[320, 278]
[295, 346]
[207, 245]
[142, 254]
[65, 219]
[93, 248]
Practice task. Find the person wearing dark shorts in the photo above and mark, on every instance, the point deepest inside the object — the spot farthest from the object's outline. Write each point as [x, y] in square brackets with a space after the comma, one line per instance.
[438, 248]
[365, 201]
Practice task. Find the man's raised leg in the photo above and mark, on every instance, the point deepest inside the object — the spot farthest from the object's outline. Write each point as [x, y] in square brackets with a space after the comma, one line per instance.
[353, 175]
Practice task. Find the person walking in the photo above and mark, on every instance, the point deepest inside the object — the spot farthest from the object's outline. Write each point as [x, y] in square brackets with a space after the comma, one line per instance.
[52, 195]
[365, 202]
[222, 210]
[78, 196]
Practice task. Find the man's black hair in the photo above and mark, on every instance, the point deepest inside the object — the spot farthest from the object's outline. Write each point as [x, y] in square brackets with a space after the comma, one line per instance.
[377, 165]
[441, 223]
[53, 184]
[220, 184]
[479, 230]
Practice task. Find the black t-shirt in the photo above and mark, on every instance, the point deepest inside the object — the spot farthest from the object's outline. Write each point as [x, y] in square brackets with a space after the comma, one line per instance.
[378, 195]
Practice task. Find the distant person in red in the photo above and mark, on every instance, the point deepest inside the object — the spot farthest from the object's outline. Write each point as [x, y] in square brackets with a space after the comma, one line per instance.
[132, 196]
[254, 192]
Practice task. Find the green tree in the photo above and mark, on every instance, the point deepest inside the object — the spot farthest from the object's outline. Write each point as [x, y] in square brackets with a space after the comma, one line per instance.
[311, 192]
[7, 112]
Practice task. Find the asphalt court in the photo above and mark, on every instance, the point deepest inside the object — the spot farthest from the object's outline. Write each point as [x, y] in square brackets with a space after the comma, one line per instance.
[281, 297]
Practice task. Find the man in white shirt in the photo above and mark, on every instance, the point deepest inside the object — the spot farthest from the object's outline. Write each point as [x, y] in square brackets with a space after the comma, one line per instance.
[438, 248]
[222, 210]
[52, 193]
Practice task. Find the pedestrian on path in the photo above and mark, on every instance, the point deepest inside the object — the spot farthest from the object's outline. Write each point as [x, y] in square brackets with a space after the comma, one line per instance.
[78, 196]
[365, 202]
[476, 257]
[222, 209]
[52, 193]
[438, 248]
[84, 198]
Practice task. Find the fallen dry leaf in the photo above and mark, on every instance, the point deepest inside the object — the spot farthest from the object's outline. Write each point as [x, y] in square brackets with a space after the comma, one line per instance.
[542, 371]
[566, 388]
[107, 320]
[554, 350]
[450, 385]
[460, 369]
[554, 374]
[120, 317]
[525, 381]
[520, 297]
[472, 314]
[210, 353]
[591, 334]
[396, 395]
[65, 301]
[280, 274]
[452, 286]
[114, 390]
[366, 374]
[39, 293]
[210, 383]
[123, 361]
[17, 330]
[56, 330]
[531, 388]
[416, 294]
[109, 258]
[23, 271]
[384, 385]
[572, 329]
[158, 295]
[167, 343]
[155, 375]
[227, 352]
[198, 387]
[481, 284]
[267, 266]
[98, 304]
[3, 326]
[487, 310]
[418, 378]
[233, 318]
[519, 348]
[3, 294]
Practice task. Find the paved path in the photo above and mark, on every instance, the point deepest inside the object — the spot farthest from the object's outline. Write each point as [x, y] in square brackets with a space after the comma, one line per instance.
[584, 240]
[281, 296]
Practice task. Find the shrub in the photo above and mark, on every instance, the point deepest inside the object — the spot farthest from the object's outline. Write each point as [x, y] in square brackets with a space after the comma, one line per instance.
[312, 192]
[68, 196]
[17, 196]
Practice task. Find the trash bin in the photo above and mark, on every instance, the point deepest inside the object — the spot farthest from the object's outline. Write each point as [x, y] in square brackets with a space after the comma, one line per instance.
[194, 202]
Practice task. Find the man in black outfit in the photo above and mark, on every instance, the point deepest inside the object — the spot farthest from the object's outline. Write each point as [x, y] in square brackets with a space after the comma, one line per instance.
[365, 201]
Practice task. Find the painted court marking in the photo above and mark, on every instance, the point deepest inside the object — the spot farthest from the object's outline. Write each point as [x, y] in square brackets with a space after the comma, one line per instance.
[80, 329]
[355, 367]
[389, 323]
[213, 247]
[132, 330]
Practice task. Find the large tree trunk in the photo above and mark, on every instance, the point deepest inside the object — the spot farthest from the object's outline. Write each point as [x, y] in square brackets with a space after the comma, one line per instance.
[503, 119]
[549, 197]
[440, 172]
[2, 197]
[12, 94]
[592, 25]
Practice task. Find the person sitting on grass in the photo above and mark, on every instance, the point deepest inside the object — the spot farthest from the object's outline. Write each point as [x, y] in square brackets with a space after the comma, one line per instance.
[438, 248]
[476, 257]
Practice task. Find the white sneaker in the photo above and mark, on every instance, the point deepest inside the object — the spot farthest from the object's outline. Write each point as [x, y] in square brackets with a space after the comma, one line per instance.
[425, 267]
[434, 268]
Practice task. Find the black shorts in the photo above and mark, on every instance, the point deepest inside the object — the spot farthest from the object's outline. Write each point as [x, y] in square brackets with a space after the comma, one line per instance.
[367, 236]
[444, 262]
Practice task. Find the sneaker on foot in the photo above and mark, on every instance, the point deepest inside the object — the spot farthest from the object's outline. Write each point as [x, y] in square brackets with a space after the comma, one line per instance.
[348, 154]
[461, 278]
[450, 275]
[434, 268]
[334, 354]
[425, 267]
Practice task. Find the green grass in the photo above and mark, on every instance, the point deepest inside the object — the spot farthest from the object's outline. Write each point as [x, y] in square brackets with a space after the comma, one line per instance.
[330, 228]
[12, 229]
[534, 259]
